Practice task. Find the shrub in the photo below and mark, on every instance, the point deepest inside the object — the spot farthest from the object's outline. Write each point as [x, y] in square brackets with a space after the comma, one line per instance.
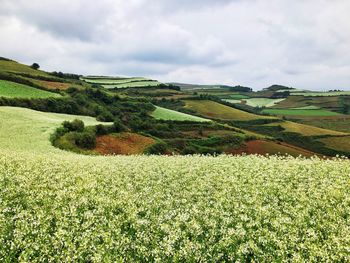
[157, 148]
[76, 125]
[118, 126]
[101, 130]
[86, 140]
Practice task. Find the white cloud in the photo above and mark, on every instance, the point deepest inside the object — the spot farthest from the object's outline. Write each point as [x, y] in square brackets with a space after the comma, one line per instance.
[249, 42]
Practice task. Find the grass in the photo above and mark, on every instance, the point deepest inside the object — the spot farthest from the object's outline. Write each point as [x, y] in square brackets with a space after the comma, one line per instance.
[337, 123]
[337, 143]
[215, 110]
[306, 130]
[166, 114]
[24, 129]
[10, 89]
[12, 66]
[301, 112]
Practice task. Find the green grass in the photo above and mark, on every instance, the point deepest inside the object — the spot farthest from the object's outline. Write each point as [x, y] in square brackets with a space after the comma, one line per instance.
[300, 112]
[24, 129]
[214, 110]
[10, 89]
[12, 66]
[166, 114]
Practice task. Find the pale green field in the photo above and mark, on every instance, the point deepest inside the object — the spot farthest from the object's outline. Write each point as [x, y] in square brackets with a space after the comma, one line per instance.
[114, 82]
[166, 114]
[140, 84]
[10, 89]
[58, 206]
[257, 102]
[25, 129]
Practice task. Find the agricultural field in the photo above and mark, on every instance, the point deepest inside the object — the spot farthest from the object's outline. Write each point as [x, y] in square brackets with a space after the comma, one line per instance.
[10, 89]
[337, 143]
[257, 102]
[306, 130]
[300, 112]
[115, 82]
[28, 130]
[15, 67]
[53, 85]
[337, 123]
[272, 148]
[166, 114]
[65, 207]
[322, 94]
[215, 110]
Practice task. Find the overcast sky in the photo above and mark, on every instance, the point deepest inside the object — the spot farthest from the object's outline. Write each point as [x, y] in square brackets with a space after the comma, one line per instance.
[299, 43]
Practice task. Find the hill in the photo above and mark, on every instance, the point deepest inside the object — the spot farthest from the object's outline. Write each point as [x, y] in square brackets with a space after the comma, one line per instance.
[61, 206]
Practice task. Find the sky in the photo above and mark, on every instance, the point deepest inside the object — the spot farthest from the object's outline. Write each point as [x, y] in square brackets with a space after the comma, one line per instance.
[256, 43]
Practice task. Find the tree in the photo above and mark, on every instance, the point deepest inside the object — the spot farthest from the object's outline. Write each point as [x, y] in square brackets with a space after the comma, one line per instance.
[35, 66]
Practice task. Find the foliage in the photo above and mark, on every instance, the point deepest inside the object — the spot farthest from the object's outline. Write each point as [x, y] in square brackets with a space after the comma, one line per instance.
[35, 66]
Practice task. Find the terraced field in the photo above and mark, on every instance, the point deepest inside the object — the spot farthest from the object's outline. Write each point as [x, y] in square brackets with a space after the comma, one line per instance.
[306, 130]
[10, 89]
[322, 94]
[301, 112]
[257, 102]
[272, 148]
[115, 82]
[166, 114]
[337, 143]
[214, 110]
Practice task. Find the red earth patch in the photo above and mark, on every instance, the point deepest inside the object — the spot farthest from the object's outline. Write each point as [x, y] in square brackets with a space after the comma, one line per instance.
[124, 143]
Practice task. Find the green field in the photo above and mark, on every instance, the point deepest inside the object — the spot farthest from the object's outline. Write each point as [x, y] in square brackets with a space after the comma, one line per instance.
[306, 130]
[322, 94]
[300, 112]
[24, 129]
[337, 143]
[10, 89]
[120, 82]
[166, 114]
[210, 109]
[311, 107]
[257, 102]
[14, 67]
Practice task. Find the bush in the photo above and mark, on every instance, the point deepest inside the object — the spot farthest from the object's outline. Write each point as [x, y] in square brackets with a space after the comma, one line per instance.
[157, 148]
[101, 130]
[105, 116]
[86, 140]
[76, 125]
[35, 66]
[118, 126]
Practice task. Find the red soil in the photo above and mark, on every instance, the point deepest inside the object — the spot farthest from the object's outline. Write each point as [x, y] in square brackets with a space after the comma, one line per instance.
[124, 143]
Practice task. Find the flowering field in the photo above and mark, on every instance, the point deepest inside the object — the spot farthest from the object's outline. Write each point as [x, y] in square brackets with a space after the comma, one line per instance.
[62, 207]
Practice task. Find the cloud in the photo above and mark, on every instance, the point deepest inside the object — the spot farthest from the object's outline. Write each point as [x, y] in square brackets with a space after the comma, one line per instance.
[247, 42]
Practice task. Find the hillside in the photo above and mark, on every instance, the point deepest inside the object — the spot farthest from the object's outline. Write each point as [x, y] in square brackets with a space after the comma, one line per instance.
[71, 192]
